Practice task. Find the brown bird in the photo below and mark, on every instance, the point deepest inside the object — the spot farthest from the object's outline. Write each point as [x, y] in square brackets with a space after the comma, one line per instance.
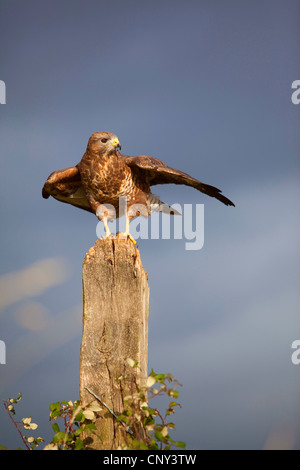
[104, 176]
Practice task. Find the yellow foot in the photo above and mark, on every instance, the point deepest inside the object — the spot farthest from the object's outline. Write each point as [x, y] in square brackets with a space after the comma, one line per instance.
[127, 235]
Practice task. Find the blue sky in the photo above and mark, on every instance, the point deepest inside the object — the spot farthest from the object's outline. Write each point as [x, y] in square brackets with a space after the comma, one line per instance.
[206, 87]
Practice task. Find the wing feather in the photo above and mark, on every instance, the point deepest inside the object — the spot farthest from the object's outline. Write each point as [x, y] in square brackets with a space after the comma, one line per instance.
[65, 186]
[155, 172]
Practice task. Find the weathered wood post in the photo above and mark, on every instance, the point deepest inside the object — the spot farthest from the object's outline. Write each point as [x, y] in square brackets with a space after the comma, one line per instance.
[115, 328]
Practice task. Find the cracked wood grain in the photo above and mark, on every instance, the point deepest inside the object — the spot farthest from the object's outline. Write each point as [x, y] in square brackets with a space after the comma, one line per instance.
[115, 328]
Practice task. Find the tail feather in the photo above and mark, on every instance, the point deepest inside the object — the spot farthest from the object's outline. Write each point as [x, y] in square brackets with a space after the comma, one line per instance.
[156, 205]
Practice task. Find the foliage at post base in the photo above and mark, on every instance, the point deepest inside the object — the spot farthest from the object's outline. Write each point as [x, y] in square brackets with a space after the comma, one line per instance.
[146, 427]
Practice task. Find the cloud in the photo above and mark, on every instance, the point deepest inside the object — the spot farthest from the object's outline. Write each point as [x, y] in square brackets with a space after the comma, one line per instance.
[31, 281]
[33, 346]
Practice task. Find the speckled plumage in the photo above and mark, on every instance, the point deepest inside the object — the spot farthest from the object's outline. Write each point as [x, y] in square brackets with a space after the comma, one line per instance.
[104, 175]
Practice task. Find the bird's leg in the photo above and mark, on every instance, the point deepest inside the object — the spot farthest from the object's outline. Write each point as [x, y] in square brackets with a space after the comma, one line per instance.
[103, 214]
[107, 231]
[126, 233]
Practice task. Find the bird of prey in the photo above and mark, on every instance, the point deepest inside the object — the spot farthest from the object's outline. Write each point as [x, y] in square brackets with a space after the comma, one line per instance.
[104, 175]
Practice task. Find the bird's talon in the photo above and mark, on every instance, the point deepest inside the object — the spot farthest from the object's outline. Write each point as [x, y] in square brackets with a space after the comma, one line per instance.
[127, 235]
[132, 239]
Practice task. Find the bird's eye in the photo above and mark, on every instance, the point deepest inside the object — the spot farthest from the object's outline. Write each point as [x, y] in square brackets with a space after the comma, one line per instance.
[104, 140]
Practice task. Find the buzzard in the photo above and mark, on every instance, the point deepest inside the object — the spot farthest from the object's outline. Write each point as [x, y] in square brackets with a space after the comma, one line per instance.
[104, 176]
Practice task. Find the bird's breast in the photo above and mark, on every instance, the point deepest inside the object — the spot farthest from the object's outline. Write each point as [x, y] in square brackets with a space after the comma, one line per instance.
[107, 179]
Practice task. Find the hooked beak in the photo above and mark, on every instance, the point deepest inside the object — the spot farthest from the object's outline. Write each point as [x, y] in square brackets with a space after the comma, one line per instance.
[116, 144]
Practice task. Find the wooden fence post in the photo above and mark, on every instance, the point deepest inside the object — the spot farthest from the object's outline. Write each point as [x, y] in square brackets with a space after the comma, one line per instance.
[115, 329]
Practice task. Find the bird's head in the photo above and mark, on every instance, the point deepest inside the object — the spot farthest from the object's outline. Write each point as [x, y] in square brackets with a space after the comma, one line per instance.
[103, 142]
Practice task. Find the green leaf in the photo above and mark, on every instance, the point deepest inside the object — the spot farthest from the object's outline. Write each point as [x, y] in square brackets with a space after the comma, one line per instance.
[160, 377]
[78, 431]
[143, 446]
[171, 425]
[153, 445]
[179, 444]
[55, 427]
[122, 417]
[173, 403]
[136, 443]
[90, 427]
[148, 420]
[152, 411]
[55, 409]
[55, 406]
[80, 416]
[58, 437]
[70, 438]
[78, 444]
[159, 436]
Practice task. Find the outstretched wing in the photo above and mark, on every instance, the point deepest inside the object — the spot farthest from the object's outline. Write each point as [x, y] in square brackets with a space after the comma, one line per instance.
[153, 171]
[65, 186]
